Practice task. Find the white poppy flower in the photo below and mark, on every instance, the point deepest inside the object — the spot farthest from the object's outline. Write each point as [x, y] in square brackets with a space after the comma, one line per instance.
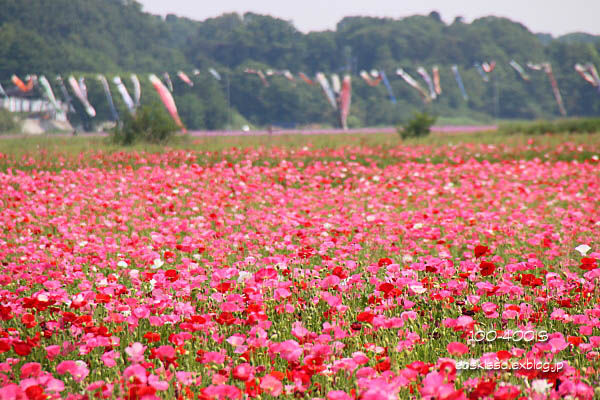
[583, 249]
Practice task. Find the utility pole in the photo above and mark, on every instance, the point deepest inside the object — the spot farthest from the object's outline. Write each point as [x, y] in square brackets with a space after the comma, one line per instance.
[496, 97]
[229, 122]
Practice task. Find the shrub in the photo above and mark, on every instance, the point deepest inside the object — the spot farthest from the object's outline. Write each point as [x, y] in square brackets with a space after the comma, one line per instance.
[419, 125]
[573, 125]
[151, 124]
[7, 122]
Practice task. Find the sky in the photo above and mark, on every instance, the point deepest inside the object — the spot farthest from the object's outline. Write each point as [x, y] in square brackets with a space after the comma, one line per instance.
[540, 16]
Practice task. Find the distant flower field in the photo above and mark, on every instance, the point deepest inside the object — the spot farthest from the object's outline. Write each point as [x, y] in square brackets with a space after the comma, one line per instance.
[352, 273]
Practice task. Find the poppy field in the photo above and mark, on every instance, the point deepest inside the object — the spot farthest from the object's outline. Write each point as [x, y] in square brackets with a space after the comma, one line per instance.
[346, 272]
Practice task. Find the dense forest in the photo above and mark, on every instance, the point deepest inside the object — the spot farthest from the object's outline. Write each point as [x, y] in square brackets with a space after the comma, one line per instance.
[116, 37]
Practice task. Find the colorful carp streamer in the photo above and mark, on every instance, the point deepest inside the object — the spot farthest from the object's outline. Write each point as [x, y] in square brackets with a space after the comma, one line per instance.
[519, 70]
[260, 74]
[376, 80]
[81, 94]
[345, 101]
[535, 67]
[168, 81]
[186, 79]
[262, 78]
[585, 74]
[49, 93]
[336, 84]
[488, 67]
[111, 103]
[557, 96]
[289, 76]
[481, 72]
[327, 90]
[592, 69]
[547, 68]
[425, 75]
[388, 86]
[21, 85]
[285, 73]
[306, 79]
[589, 73]
[409, 79]
[214, 73]
[83, 87]
[137, 90]
[65, 93]
[124, 94]
[167, 100]
[459, 81]
[436, 80]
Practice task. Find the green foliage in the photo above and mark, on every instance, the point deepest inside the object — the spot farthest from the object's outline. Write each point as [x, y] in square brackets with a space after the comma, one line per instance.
[116, 37]
[418, 126]
[7, 122]
[151, 124]
[572, 125]
[191, 111]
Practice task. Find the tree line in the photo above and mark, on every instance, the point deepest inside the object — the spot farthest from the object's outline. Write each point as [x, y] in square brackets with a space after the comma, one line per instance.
[117, 37]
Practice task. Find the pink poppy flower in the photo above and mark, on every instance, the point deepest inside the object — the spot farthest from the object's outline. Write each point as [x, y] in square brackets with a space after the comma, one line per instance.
[135, 371]
[109, 358]
[457, 348]
[338, 395]
[78, 369]
[271, 385]
[31, 369]
[213, 357]
[135, 352]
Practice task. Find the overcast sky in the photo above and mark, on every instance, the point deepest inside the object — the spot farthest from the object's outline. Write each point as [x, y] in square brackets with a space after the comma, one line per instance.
[548, 16]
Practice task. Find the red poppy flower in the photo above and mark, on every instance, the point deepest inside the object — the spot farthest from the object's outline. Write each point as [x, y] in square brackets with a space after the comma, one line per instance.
[588, 264]
[279, 375]
[487, 268]
[172, 275]
[383, 365]
[252, 389]
[365, 316]
[566, 303]
[481, 250]
[28, 320]
[5, 313]
[35, 392]
[483, 389]
[152, 337]
[419, 366]
[339, 272]
[384, 262]
[22, 348]
[530, 280]
[225, 318]
[224, 287]
[4, 346]
[356, 326]
[102, 298]
[386, 287]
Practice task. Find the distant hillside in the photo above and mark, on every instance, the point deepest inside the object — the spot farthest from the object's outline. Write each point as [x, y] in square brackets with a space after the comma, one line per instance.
[82, 35]
[579, 37]
[117, 36]
[545, 38]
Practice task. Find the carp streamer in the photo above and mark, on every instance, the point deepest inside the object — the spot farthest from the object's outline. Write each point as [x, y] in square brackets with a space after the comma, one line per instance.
[167, 99]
